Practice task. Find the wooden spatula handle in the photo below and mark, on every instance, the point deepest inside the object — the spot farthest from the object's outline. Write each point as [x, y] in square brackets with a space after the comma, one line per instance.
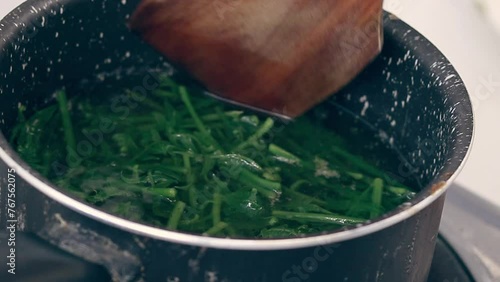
[283, 56]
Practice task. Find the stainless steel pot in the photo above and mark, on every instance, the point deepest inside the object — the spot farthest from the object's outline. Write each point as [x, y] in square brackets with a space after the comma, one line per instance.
[409, 111]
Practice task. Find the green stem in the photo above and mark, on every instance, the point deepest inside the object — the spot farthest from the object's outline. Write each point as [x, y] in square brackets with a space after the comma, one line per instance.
[268, 124]
[199, 124]
[187, 163]
[399, 190]
[173, 169]
[318, 218]
[357, 162]
[69, 134]
[216, 229]
[192, 195]
[305, 197]
[216, 208]
[189, 179]
[280, 152]
[355, 175]
[268, 188]
[218, 117]
[246, 175]
[378, 186]
[176, 215]
[357, 201]
[170, 193]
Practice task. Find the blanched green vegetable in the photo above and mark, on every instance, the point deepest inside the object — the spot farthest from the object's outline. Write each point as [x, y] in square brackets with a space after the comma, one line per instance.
[183, 161]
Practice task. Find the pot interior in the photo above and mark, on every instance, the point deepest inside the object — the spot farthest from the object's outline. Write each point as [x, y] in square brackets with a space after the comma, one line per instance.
[408, 112]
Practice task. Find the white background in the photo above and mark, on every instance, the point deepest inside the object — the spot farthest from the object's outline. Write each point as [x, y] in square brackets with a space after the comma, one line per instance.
[468, 33]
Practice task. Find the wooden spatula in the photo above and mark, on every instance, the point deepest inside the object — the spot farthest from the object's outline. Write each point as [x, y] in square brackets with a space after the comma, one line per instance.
[282, 56]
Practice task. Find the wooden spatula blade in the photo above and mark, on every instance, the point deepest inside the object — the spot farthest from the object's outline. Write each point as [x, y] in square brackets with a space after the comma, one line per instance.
[280, 56]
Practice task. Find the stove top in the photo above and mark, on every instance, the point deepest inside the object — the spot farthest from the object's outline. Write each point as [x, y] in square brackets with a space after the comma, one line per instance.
[447, 266]
[472, 226]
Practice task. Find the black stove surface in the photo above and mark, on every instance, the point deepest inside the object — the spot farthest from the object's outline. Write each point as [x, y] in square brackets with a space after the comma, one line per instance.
[447, 265]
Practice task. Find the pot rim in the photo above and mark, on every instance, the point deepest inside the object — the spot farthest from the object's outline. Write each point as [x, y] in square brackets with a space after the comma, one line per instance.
[423, 199]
